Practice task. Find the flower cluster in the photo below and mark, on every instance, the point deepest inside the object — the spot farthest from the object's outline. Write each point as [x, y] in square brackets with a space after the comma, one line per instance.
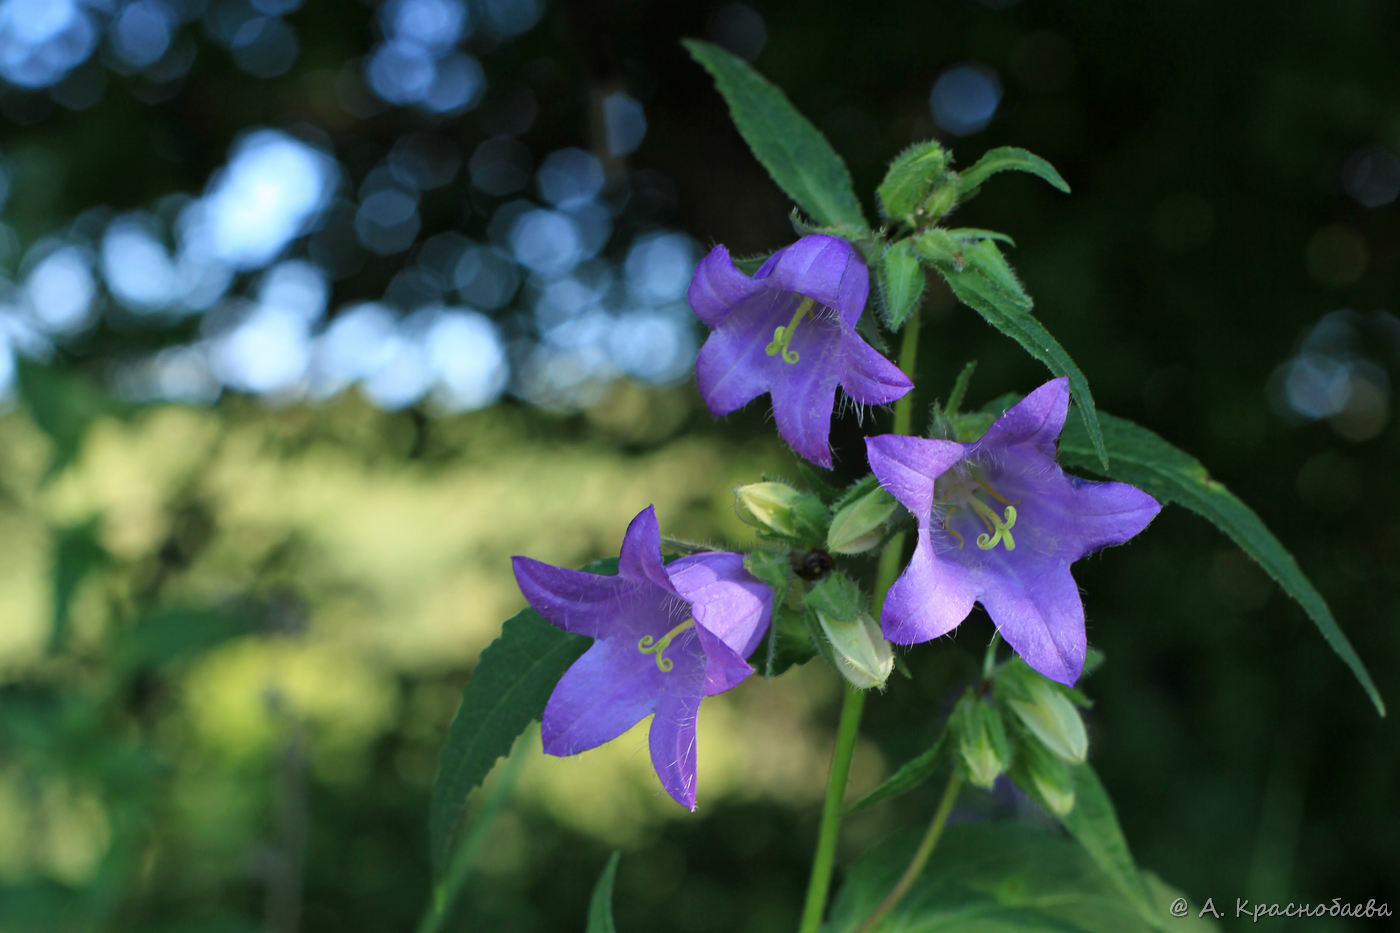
[998, 523]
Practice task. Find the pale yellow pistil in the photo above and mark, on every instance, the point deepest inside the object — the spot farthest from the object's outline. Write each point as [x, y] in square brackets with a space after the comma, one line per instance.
[649, 645]
[782, 336]
[998, 526]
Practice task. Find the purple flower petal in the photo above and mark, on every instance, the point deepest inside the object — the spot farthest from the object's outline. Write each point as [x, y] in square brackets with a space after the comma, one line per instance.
[1043, 621]
[908, 466]
[724, 598]
[1036, 419]
[718, 286]
[611, 689]
[868, 377]
[665, 638]
[790, 332]
[825, 268]
[641, 551]
[930, 598]
[1000, 523]
[575, 601]
[730, 370]
[672, 742]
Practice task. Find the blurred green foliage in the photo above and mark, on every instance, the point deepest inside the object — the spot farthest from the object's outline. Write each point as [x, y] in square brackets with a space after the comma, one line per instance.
[234, 637]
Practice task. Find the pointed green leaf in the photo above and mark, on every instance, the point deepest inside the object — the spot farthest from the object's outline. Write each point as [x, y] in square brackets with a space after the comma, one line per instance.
[1094, 825]
[982, 279]
[910, 775]
[785, 142]
[973, 234]
[1007, 159]
[507, 691]
[995, 877]
[901, 281]
[600, 915]
[1145, 460]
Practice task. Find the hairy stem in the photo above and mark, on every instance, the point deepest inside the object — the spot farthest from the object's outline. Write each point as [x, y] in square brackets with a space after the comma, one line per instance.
[853, 701]
[921, 854]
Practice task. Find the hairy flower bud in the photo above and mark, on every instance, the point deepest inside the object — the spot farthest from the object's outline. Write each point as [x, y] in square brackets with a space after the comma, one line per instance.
[1051, 718]
[982, 742]
[862, 654]
[860, 525]
[1050, 778]
[778, 508]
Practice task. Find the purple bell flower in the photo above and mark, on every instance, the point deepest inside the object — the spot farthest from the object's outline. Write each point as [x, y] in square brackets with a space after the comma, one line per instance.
[666, 636]
[790, 331]
[1000, 523]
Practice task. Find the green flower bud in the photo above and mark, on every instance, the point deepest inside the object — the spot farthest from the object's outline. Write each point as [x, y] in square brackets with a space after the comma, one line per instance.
[912, 177]
[862, 654]
[1050, 778]
[1052, 718]
[860, 525]
[778, 508]
[982, 742]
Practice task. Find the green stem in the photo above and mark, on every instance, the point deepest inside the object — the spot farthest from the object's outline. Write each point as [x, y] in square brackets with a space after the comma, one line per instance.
[853, 702]
[921, 854]
[825, 858]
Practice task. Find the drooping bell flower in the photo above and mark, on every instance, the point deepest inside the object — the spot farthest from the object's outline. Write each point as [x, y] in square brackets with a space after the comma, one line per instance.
[666, 636]
[790, 331]
[1000, 523]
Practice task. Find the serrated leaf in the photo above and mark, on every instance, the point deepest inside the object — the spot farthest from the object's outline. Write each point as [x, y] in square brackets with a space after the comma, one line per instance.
[1094, 825]
[901, 281]
[507, 691]
[981, 279]
[1007, 159]
[995, 877]
[600, 915]
[910, 775]
[1147, 461]
[785, 142]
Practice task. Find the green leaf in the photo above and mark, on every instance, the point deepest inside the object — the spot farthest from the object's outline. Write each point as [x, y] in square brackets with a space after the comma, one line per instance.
[796, 156]
[1094, 825]
[63, 404]
[995, 877]
[507, 691]
[77, 554]
[910, 775]
[173, 631]
[1142, 458]
[1007, 159]
[981, 279]
[901, 281]
[960, 384]
[972, 234]
[600, 916]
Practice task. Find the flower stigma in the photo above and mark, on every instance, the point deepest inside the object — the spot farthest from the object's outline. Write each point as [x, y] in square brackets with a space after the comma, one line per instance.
[658, 646]
[998, 526]
[782, 336]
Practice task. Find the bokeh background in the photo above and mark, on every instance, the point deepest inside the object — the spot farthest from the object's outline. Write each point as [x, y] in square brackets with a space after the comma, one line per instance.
[312, 312]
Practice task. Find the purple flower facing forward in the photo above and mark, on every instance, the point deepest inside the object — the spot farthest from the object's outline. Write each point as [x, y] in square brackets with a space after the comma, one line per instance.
[665, 637]
[1000, 523]
[790, 331]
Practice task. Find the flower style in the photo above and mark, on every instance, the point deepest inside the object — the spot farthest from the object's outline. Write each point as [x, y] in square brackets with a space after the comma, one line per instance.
[665, 637]
[1000, 523]
[790, 331]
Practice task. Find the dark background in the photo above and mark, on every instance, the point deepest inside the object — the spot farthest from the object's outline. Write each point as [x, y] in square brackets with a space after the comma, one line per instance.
[1224, 273]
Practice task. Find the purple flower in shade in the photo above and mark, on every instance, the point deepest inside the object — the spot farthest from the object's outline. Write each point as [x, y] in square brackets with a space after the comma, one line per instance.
[665, 637]
[790, 331]
[1000, 523]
